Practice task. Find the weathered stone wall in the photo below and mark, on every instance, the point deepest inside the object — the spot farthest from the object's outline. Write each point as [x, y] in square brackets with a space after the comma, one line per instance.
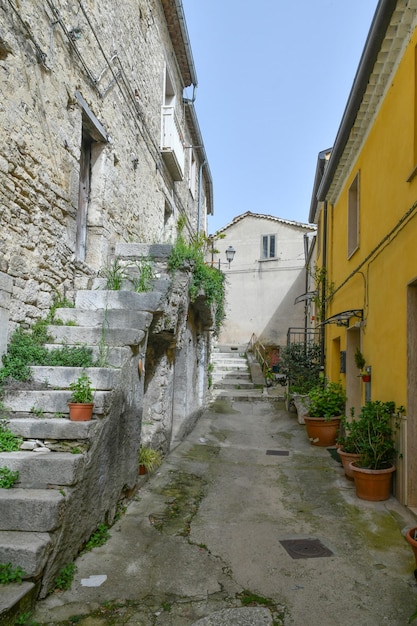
[115, 55]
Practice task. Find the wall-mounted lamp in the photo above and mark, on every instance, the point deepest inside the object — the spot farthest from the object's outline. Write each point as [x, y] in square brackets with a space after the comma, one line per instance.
[230, 253]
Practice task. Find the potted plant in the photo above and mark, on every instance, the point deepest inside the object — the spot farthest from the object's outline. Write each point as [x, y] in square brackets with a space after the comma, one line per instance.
[81, 403]
[348, 443]
[411, 536]
[149, 460]
[327, 405]
[372, 473]
[300, 363]
[360, 364]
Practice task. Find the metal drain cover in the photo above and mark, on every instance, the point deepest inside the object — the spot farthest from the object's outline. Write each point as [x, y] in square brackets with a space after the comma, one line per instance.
[305, 548]
[278, 452]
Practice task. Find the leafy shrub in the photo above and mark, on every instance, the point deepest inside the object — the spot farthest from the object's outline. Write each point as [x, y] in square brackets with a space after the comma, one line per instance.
[300, 363]
[9, 442]
[205, 278]
[377, 422]
[98, 538]
[9, 574]
[27, 348]
[65, 577]
[327, 400]
[8, 477]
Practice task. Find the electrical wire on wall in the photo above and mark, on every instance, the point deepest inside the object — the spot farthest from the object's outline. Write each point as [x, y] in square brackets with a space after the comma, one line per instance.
[119, 78]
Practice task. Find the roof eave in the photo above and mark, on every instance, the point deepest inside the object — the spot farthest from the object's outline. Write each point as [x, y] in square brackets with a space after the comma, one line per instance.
[372, 47]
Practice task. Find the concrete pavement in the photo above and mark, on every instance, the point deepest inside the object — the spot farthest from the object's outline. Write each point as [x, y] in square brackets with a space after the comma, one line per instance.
[202, 542]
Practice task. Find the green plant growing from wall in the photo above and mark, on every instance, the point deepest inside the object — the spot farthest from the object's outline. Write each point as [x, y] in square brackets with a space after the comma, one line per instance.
[323, 289]
[8, 477]
[59, 302]
[10, 574]
[65, 577]
[143, 282]
[9, 442]
[98, 538]
[205, 278]
[27, 347]
[114, 273]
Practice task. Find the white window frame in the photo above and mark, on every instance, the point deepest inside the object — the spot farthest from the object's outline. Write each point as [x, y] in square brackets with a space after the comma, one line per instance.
[353, 216]
[267, 248]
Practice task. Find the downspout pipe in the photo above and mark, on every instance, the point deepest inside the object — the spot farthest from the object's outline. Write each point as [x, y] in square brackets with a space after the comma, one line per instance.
[200, 185]
[323, 287]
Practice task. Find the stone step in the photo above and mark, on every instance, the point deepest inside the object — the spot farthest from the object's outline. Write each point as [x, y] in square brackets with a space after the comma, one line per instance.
[39, 470]
[16, 599]
[91, 299]
[233, 383]
[28, 550]
[158, 252]
[240, 375]
[76, 335]
[106, 319]
[102, 378]
[221, 357]
[50, 401]
[53, 428]
[160, 285]
[108, 356]
[34, 510]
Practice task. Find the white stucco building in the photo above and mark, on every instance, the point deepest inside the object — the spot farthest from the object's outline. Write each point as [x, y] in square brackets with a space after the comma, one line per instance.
[265, 277]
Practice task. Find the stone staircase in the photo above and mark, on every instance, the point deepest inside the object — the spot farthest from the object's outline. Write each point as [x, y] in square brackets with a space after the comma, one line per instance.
[232, 375]
[65, 466]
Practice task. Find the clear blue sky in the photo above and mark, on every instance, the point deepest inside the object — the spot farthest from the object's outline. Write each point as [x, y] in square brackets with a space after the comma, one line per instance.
[273, 81]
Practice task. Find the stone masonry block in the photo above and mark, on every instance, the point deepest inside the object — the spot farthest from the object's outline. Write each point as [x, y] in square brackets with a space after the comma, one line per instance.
[38, 510]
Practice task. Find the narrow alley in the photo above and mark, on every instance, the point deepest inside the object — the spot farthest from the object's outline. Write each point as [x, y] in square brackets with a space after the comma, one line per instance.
[209, 538]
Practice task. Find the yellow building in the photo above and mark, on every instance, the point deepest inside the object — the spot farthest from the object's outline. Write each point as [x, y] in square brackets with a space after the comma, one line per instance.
[365, 205]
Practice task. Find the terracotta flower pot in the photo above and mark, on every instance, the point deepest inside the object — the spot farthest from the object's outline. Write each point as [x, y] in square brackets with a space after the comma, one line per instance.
[80, 412]
[366, 378]
[142, 469]
[322, 432]
[346, 459]
[374, 485]
[410, 534]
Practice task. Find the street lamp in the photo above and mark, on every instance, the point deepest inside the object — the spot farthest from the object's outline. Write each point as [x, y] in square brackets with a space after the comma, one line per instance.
[230, 253]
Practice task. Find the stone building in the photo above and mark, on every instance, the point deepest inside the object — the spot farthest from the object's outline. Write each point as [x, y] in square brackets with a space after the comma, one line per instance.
[99, 144]
[101, 157]
[265, 277]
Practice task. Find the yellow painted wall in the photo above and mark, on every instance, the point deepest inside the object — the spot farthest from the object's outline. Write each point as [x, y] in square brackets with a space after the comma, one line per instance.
[380, 285]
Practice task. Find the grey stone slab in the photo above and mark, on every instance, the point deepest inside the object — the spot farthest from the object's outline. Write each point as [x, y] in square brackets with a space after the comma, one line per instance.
[139, 250]
[40, 469]
[76, 335]
[102, 378]
[246, 616]
[14, 599]
[29, 550]
[49, 401]
[107, 319]
[149, 301]
[52, 428]
[37, 510]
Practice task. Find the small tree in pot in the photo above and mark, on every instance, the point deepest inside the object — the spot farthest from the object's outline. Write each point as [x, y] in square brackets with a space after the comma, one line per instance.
[327, 405]
[377, 423]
